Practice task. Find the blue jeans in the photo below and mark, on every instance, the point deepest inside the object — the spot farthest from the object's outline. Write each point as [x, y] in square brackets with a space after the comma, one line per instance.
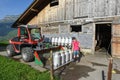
[76, 53]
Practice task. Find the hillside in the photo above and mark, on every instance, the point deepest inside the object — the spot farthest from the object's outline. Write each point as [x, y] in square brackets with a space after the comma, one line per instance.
[6, 32]
[10, 34]
[5, 24]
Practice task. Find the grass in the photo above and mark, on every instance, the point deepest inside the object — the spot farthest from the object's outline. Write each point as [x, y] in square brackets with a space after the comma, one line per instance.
[4, 43]
[13, 70]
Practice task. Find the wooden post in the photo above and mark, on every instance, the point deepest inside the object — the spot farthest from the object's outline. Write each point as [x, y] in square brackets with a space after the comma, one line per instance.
[51, 66]
[110, 69]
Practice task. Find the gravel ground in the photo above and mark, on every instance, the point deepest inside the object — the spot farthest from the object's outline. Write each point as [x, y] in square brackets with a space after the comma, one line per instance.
[90, 67]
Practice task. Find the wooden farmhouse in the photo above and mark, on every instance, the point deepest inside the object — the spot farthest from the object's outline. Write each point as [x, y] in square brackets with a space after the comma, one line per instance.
[95, 23]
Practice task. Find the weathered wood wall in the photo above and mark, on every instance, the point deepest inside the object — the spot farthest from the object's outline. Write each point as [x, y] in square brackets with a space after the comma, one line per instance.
[34, 21]
[49, 30]
[50, 14]
[76, 9]
[80, 8]
[72, 9]
[116, 40]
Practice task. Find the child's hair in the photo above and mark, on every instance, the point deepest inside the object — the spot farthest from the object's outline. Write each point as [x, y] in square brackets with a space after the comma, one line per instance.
[73, 38]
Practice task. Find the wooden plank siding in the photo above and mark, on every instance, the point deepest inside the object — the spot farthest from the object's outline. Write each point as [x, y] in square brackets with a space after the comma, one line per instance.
[80, 8]
[85, 12]
[51, 14]
[118, 7]
[72, 9]
[34, 21]
[69, 9]
[116, 40]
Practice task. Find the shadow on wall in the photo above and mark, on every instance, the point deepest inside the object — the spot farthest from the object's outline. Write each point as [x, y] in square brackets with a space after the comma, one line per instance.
[75, 72]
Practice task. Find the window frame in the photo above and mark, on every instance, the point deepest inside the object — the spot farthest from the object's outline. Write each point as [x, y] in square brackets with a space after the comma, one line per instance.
[72, 27]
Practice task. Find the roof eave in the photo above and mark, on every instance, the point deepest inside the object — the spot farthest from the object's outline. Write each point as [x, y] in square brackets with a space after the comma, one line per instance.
[30, 12]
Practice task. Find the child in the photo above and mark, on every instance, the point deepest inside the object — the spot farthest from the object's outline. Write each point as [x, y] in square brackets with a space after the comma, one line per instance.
[75, 48]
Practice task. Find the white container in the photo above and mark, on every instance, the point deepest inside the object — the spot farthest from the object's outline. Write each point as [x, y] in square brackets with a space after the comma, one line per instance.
[59, 41]
[62, 41]
[62, 58]
[53, 40]
[67, 56]
[59, 59]
[56, 60]
[56, 41]
[71, 55]
[66, 41]
[70, 41]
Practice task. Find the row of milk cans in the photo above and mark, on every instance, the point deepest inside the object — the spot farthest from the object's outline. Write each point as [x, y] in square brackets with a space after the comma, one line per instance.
[63, 41]
[61, 58]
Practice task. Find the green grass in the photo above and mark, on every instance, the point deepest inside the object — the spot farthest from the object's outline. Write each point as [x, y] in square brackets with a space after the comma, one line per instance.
[4, 43]
[13, 70]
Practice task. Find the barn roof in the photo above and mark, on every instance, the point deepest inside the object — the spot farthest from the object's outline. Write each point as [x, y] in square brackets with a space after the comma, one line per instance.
[31, 12]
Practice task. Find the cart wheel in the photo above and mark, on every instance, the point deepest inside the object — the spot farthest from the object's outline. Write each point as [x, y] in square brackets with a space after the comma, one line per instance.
[27, 54]
[10, 51]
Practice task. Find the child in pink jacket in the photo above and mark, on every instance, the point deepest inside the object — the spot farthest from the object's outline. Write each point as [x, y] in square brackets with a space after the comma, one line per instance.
[75, 48]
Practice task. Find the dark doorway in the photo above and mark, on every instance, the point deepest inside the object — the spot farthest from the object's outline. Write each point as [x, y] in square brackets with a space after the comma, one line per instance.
[103, 37]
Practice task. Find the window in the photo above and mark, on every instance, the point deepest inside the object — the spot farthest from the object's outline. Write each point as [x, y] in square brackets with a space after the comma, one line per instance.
[76, 28]
[54, 3]
[35, 33]
[23, 31]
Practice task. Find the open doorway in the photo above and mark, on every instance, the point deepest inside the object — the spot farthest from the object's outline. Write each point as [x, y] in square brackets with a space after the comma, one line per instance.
[103, 37]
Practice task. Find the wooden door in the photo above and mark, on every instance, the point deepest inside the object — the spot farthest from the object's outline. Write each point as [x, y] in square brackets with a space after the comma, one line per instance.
[116, 40]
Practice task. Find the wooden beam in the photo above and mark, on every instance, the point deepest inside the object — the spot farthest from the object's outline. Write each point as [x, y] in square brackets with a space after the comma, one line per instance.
[35, 10]
[36, 1]
[51, 65]
[109, 77]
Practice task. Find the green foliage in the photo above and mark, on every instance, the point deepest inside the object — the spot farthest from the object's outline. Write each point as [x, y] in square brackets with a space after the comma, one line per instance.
[12, 70]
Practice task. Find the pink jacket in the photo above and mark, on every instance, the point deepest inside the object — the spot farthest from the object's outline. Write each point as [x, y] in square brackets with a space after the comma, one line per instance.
[75, 45]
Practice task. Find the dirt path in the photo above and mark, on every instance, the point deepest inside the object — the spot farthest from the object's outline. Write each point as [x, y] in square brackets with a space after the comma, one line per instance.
[91, 67]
